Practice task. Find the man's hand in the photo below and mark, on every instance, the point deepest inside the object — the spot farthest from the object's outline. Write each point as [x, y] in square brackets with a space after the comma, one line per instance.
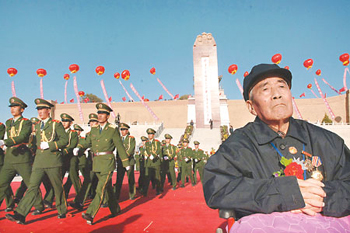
[151, 157]
[127, 168]
[2, 142]
[313, 195]
[44, 145]
[166, 157]
[75, 151]
[186, 159]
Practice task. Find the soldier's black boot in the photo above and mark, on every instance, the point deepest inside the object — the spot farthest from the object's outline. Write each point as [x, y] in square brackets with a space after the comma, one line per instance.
[20, 219]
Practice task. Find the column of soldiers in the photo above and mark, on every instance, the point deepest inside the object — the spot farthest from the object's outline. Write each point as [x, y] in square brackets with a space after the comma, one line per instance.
[44, 150]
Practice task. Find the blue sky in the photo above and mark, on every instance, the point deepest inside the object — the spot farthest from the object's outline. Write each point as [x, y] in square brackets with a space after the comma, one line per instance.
[138, 35]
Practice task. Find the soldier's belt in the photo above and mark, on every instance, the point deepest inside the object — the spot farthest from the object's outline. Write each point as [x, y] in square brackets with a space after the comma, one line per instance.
[103, 153]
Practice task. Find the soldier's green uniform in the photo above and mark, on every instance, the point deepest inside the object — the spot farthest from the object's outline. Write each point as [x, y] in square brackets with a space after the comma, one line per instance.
[50, 139]
[185, 157]
[152, 164]
[129, 145]
[168, 162]
[18, 157]
[8, 193]
[141, 154]
[199, 160]
[102, 142]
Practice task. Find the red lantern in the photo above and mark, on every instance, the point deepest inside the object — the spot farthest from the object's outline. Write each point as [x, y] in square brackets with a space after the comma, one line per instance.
[81, 93]
[117, 75]
[308, 63]
[276, 58]
[66, 76]
[41, 72]
[246, 74]
[344, 58]
[286, 67]
[309, 86]
[318, 72]
[232, 69]
[100, 70]
[73, 68]
[152, 70]
[12, 71]
[125, 75]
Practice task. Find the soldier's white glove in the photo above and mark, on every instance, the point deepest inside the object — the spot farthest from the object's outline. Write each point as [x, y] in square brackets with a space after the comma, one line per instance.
[44, 145]
[186, 159]
[127, 168]
[2, 142]
[75, 151]
[166, 157]
[196, 160]
[176, 169]
[151, 157]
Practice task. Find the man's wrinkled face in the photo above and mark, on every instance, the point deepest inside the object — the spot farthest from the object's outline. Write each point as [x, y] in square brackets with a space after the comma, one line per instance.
[271, 100]
[124, 132]
[16, 111]
[102, 118]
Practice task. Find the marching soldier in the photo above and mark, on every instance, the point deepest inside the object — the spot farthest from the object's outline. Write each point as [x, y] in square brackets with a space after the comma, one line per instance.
[185, 157]
[18, 158]
[178, 162]
[141, 154]
[199, 160]
[168, 163]
[50, 138]
[102, 140]
[129, 145]
[152, 156]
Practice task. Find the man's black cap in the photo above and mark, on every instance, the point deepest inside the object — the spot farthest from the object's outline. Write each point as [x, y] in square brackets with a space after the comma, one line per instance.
[262, 71]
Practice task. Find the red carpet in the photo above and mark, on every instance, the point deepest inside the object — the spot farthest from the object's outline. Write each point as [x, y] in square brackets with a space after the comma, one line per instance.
[180, 210]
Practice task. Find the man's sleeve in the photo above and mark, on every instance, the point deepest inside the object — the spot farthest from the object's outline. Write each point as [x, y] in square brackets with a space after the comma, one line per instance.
[61, 136]
[229, 184]
[120, 148]
[23, 136]
[337, 186]
[72, 144]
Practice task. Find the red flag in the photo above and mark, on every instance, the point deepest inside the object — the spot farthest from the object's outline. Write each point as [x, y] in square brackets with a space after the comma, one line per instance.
[110, 99]
[176, 96]
[342, 89]
[86, 100]
[124, 99]
[160, 97]
[56, 101]
[302, 95]
[143, 97]
[325, 95]
[62, 102]
[72, 100]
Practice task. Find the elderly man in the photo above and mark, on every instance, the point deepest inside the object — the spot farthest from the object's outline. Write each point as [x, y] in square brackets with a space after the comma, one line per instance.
[277, 163]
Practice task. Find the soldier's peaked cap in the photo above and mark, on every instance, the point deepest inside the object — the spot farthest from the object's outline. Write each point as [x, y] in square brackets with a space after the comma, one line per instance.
[14, 101]
[103, 108]
[41, 103]
[124, 126]
[168, 136]
[150, 131]
[66, 117]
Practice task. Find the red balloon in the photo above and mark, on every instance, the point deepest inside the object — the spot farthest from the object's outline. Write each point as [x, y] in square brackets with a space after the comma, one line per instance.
[309, 85]
[276, 58]
[308, 63]
[117, 75]
[152, 70]
[66, 76]
[245, 74]
[41, 72]
[232, 69]
[12, 71]
[73, 68]
[100, 70]
[286, 67]
[344, 58]
[318, 72]
[125, 75]
[81, 93]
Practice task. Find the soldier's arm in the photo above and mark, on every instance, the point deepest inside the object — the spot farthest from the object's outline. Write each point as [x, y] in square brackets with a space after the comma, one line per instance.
[23, 136]
[73, 143]
[2, 131]
[86, 143]
[61, 137]
[131, 150]
[158, 151]
[120, 148]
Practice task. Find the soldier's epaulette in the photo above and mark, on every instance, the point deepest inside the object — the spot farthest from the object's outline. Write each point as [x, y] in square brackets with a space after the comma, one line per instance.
[156, 140]
[57, 121]
[82, 137]
[10, 119]
[112, 126]
[95, 126]
[25, 119]
[131, 136]
[72, 130]
[200, 149]
[189, 147]
[1, 123]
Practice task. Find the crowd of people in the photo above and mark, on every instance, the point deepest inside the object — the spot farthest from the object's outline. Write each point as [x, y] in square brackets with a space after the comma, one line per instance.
[44, 150]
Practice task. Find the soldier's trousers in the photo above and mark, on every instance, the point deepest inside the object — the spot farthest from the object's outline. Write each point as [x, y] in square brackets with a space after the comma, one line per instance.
[168, 167]
[21, 190]
[8, 195]
[88, 175]
[200, 169]
[152, 172]
[186, 171]
[73, 177]
[119, 182]
[51, 194]
[55, 176]
[9, 171]
[104, 186]
[142, 177]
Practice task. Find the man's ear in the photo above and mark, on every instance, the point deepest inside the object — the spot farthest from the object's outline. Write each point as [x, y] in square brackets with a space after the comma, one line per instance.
[250, 107]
